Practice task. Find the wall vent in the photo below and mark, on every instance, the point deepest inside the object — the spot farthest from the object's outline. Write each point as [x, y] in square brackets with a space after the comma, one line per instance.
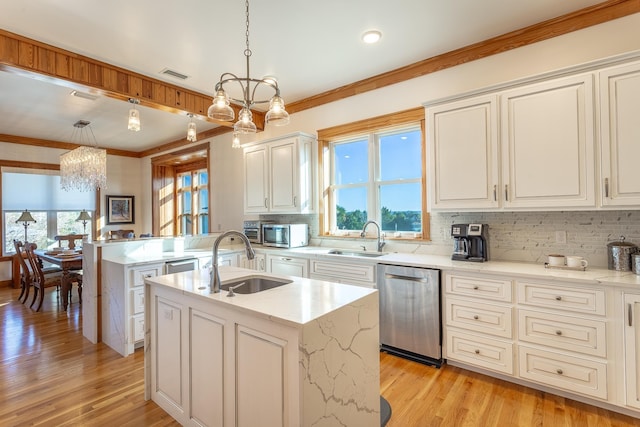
[173, 73]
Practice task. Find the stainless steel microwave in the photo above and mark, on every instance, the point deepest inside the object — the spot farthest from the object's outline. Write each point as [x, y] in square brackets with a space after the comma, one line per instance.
[285, 235]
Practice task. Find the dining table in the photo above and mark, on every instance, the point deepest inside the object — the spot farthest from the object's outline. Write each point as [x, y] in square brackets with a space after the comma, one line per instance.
[68, 261]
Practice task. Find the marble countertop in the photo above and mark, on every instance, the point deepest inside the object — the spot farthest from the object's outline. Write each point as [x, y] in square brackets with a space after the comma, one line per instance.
[294, 304]
[140, 259]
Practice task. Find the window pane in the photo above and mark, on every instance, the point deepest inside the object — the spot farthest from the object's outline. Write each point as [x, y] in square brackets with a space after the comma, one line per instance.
[204, 224]
[401, 155]
[351, 208]
[67, 223]
[186, 224]
[203, 178]
[401, 207]
[186, 202]
[351, 164]
[204, 201]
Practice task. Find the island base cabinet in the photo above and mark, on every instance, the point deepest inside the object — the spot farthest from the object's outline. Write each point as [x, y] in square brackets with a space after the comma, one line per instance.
[168, 379]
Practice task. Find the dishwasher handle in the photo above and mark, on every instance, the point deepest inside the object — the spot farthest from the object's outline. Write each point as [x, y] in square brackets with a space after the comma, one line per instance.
[409, 278]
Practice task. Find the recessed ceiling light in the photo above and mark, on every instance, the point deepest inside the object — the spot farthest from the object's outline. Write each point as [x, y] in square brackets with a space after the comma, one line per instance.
[372, 36]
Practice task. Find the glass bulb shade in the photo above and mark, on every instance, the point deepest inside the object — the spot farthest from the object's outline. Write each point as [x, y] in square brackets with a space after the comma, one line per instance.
[220, 109]
[84, 216]
[83, 169]
[245, 124]
[236, 140]
[191, 131]
[134, 120]
[26, 217]
[277, 115]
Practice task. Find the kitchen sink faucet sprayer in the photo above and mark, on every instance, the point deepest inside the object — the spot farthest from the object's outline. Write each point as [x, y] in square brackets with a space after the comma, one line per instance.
[214, 283]
[380, 238]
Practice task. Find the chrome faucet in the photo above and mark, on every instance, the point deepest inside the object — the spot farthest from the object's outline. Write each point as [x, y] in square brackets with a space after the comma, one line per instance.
[214, 283]
[380, 237]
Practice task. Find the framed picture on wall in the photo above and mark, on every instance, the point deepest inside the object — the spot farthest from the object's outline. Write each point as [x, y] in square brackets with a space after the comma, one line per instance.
[120, 210]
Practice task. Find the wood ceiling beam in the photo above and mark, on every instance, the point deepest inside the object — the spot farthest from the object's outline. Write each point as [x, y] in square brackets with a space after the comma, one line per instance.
[31, 58]
[24, 140]
[580, 19]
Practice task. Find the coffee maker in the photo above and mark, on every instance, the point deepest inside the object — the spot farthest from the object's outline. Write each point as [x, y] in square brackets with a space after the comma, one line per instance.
[470, 242]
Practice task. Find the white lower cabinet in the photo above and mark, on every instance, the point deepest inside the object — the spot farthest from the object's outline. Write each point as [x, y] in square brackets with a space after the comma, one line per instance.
[350, 273]
[632, 349]
[211, 366]
[287, 265]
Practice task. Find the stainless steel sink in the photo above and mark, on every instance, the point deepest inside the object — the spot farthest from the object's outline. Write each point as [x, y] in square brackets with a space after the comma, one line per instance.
[355, 253]
[253, 284]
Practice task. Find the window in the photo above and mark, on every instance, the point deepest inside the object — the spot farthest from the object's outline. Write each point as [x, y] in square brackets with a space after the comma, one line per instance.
[375, 175]
[54, 210]
[193, 202]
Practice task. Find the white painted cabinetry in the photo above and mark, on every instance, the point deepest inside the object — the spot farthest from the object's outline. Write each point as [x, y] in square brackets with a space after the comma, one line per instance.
[527, 148]
[620, 135]
[463, 163]
[287, 265]
[339, 271]
[123, 304]
[632, 349]
[279, 175]
[547, 137]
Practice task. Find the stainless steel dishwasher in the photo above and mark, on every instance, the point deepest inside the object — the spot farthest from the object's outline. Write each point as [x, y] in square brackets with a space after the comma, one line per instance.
[410, 312]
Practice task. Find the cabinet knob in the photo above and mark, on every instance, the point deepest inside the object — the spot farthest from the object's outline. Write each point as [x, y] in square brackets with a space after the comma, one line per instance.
[476, 287]
[146, 276]
[558, 298]
[559, 371]
[558, 332]
[477, 351]
[476, 317]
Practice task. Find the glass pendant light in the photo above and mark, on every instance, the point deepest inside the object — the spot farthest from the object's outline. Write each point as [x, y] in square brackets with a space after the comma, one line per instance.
[191, 130]
[220, 109]
[245, 124]
[134, 117]
[236, 140]
[277, 115]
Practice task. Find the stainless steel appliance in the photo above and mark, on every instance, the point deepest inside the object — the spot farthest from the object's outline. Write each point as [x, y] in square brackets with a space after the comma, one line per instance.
[178, 266]
[285, 235]
[253, 230]
[410, 312]
[470, 242]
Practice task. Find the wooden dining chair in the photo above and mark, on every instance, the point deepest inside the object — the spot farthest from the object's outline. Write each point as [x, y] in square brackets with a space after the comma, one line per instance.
[26, 281]
[40, 280]
[70, 239]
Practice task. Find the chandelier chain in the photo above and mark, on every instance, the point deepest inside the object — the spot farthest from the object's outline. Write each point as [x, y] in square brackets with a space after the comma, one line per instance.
[247, 51]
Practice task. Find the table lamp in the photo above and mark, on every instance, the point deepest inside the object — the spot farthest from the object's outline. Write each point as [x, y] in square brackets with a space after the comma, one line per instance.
[26, 218]
[84, 217]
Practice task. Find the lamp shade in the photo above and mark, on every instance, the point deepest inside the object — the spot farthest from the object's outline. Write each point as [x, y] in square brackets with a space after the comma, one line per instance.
[84, 216]
[25, 217]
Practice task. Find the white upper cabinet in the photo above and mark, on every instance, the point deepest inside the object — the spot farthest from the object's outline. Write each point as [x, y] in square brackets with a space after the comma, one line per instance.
[548, 153]
[620, 136]
[463, 162]
[279, 175]
[527, 148]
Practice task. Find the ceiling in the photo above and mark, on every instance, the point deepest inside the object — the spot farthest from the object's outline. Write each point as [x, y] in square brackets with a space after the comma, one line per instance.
[309, 46]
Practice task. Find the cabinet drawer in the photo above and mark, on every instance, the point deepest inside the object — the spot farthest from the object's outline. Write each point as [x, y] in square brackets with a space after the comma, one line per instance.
[139, 274]
[580, 300]
[137, 300]
[137, 327]
[480, 351]
[344, 271]
[563, 332]
[564, 371]
[493, 289]
[488, 318]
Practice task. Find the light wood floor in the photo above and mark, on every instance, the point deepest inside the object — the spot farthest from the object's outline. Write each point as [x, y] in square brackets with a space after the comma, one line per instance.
[51, 376]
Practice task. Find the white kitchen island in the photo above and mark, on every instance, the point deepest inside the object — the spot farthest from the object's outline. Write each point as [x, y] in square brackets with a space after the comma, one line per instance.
[302, 354]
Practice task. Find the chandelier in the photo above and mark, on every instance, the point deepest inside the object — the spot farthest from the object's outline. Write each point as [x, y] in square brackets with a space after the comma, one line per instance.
[221, 109]
[84, 168]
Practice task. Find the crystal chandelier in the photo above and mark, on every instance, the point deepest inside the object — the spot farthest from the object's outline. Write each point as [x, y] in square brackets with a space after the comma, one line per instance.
[221, 110]
[84, 168]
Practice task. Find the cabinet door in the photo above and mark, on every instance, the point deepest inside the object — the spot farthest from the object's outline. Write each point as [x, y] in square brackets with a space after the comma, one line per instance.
[256, 179]
[463, 139]
[620, 135]
[632, 349]
[168, 353]
[261, 378]
[206, 357]
[284, 177]
[288, 266]
[548, 158]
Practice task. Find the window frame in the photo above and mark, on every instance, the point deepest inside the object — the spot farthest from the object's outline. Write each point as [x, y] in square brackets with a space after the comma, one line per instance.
[353, 131]
[195, 189]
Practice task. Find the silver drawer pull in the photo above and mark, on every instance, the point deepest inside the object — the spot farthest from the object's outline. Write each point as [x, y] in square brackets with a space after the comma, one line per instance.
[558, 332]
[558, 298]
[146, 276]
[476, 317]
[559, 371]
